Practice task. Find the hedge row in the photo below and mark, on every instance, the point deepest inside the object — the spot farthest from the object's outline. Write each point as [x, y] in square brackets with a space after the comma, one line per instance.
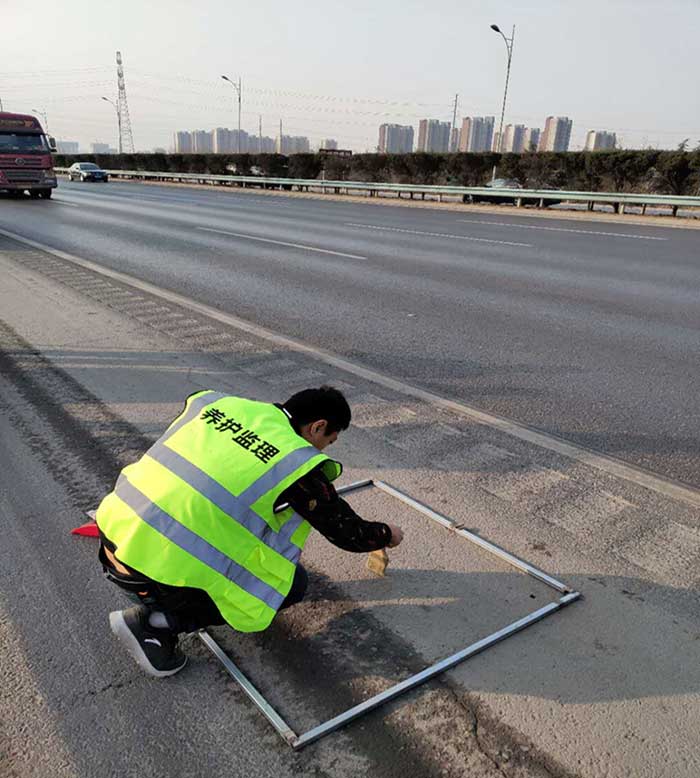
[661, 172]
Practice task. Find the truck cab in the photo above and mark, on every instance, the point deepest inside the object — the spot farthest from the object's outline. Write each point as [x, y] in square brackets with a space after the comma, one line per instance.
[25, 156]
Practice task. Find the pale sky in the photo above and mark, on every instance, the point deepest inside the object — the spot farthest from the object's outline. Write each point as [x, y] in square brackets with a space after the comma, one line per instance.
[332, 69]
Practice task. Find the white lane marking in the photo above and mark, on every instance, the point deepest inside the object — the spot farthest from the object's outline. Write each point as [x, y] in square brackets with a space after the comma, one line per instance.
[281, 243]
[562, 229]
[608, 464]
[119, 195]
[437, 234]
[102, 198]
[64, 202]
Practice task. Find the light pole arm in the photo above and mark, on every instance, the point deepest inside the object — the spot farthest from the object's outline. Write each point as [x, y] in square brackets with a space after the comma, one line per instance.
[509, 49]
[119, 121]
[237, 87]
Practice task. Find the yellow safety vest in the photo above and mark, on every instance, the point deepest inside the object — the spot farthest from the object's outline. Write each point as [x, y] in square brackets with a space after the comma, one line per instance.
[197, 509]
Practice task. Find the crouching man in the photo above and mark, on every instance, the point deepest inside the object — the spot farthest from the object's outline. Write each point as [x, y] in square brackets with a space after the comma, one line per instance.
[191, 530]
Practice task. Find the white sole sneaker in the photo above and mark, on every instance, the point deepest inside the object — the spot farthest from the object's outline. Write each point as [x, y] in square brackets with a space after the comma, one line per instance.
[127, 638]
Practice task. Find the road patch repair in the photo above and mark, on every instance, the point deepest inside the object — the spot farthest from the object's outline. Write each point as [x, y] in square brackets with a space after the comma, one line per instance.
[299, 741]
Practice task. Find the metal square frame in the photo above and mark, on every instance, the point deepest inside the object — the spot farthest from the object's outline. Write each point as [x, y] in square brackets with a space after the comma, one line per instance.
[299, 741]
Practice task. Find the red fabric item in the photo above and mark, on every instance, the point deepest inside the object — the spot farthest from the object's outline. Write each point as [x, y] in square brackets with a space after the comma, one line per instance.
[89, 530]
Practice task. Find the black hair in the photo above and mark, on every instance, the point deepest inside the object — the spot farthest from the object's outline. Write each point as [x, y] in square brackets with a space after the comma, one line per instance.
[325, 402]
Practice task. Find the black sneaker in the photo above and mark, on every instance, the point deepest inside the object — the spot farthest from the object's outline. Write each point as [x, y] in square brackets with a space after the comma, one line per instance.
[155, 650]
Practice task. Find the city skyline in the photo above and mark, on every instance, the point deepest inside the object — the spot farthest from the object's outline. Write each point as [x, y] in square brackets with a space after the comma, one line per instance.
[318, 94]
[474, 134]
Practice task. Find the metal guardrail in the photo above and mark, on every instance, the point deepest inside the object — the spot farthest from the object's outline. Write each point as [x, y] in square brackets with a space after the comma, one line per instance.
[539, 197]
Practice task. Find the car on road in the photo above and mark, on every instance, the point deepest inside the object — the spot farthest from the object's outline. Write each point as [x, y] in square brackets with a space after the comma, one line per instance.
[87, 171]
[497, 183]
[509, 183]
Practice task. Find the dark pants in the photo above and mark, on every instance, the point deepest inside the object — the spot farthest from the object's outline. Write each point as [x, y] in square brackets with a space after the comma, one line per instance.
[186, 609]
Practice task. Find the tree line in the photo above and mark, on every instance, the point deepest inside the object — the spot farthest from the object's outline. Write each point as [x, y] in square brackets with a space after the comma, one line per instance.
[650, 170]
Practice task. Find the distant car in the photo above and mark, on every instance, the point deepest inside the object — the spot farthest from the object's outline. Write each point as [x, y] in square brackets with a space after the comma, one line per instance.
[510, 183]
[497, 183]
[86, 171]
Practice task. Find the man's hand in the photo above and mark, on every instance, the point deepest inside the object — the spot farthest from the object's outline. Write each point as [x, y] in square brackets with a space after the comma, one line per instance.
[396, 535]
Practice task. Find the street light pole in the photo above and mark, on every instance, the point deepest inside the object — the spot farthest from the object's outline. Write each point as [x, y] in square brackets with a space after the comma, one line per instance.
[509, 49]
[237, 87]
[44, 117]
[119, 121]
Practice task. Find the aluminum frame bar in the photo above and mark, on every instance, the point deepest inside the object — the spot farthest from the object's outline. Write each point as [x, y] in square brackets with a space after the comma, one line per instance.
[340, 490]
[299, 741]
[419, 506]
[430, 672]
[521, 564]
[264, 706]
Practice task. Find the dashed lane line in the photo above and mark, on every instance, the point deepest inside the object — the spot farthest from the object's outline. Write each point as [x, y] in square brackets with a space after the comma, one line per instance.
[282, 243]
[561, 229]
[437, 234]
[608, 464]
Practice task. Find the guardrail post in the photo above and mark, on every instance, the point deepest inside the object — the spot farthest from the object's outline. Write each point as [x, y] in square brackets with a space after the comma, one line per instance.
[519, 202]
[541, 203]
[590, 205]
[622, 208]
[674, 210]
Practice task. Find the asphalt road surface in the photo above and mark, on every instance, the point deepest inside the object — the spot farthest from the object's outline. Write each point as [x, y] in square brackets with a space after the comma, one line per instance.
[92, 369]
[589, 331]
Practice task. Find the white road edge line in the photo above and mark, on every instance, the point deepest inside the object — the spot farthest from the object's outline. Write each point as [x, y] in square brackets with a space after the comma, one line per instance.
[562, 229]
[438, 234]
[607, 464]
[282, 243]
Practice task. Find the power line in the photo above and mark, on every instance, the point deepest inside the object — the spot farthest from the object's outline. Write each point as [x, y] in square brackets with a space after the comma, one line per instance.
[59, 71]
[214, 88]
[210, 107]
[289, 93]
[332, 110]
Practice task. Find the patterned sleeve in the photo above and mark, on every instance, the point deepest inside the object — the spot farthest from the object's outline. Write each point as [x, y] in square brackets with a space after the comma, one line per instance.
[314, 498]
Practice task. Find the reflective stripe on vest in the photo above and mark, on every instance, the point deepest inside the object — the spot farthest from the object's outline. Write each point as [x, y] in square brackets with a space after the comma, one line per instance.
[238, 508]
[195, 545]
[192, 411]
